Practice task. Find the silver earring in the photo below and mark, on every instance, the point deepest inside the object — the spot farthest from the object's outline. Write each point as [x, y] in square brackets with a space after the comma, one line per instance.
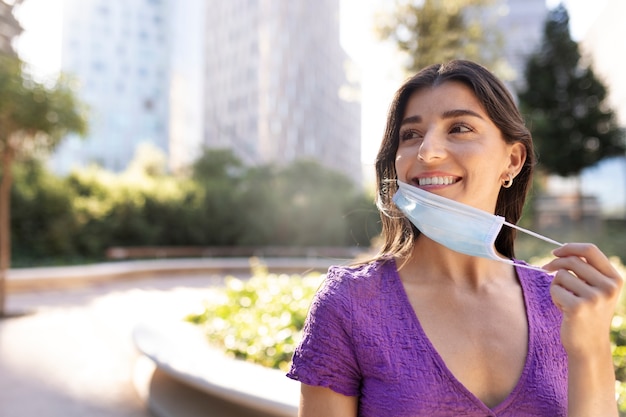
[508, 182]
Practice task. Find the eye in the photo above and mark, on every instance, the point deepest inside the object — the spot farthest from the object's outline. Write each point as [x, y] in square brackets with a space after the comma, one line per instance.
[461, 128]
[409, 134]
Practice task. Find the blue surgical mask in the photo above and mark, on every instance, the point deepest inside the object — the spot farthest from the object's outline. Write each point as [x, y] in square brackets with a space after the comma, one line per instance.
[457, 226]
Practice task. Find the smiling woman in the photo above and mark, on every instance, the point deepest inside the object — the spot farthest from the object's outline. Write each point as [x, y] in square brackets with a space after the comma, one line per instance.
[378, 341]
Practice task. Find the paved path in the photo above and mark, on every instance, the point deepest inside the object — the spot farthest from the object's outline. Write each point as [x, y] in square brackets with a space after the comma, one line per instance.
[72, 355]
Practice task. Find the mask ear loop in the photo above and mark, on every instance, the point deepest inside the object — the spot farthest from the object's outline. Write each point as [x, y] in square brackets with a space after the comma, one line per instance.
[538, 236]
[529, 266]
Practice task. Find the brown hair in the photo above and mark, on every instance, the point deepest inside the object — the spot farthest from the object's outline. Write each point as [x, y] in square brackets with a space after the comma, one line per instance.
[398, 233]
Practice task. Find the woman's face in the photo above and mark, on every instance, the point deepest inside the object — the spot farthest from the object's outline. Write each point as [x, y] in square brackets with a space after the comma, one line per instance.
[449, 146]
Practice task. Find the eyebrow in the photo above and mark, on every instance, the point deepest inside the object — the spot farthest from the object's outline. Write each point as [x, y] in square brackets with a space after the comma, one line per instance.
[446, 115]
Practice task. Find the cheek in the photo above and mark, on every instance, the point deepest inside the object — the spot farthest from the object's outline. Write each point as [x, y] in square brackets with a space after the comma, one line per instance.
[402, 162]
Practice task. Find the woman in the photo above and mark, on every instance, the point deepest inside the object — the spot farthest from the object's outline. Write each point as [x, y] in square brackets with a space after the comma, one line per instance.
[426, 329]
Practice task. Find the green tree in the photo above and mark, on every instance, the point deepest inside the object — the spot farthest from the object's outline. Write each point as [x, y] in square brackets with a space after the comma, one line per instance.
[43, 221]
[313, 202]
[219, 173]
[436, 31]
[565, 104]
[263, 216]
[33, 119]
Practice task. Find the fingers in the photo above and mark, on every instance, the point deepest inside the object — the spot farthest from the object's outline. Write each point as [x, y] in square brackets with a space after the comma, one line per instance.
[585, 288]
[571, 293]
[564, 299]
[587, 252]
[583, 273]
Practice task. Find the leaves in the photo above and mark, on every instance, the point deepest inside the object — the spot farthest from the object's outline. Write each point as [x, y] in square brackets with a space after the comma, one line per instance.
[565, 104]
[436, 31]
[33, 116]
[300, 204]
[259, 319]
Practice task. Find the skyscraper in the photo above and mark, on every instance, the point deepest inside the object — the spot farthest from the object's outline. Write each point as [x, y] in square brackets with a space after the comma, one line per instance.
[122, 54]
[603, 45]
[521, 24]
[275, 75]
[9, 26]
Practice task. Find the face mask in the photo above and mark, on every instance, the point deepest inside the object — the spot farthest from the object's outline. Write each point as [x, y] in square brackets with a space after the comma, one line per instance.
[457, 226]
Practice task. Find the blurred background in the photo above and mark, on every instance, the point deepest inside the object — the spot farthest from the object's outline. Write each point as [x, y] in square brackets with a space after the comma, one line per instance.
[195, 109]
[160, 129]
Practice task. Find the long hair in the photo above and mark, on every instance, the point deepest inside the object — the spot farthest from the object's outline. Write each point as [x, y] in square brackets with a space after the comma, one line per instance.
[398, 233]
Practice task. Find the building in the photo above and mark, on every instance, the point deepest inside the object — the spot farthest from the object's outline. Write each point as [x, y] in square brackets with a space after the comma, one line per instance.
[275, 75]
[9, 26]
[604, 47]
[521, 24]
[128, 58]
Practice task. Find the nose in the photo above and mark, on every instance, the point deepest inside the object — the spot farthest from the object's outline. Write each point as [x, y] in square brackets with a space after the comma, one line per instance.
[431, 148]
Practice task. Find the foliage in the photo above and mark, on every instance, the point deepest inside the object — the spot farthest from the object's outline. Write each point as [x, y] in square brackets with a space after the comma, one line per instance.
[436, 31]
[43, 208]
[260, 319]
[572, 125]
[33, 119]
[130, 209]
[618, 339]
[219, 174]
[300, 204]
[222, 203]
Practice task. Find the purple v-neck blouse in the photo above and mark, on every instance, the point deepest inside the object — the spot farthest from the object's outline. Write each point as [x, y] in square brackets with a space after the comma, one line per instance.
[362, 338]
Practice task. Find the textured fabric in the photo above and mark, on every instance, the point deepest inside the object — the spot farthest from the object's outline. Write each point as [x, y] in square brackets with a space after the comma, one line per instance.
[362, 338]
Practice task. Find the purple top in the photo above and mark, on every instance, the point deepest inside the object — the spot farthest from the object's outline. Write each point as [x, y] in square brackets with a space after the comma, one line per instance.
[362, 338]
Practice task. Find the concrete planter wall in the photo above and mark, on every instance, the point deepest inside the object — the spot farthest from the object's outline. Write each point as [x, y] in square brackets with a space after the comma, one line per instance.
[181, 351]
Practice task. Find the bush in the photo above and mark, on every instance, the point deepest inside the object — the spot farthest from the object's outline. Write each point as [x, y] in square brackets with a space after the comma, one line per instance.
[220, 203]
[618, 339]
[259, 320]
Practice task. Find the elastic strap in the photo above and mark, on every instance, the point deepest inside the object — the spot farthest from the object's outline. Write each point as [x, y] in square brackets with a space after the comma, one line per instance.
[537, 235]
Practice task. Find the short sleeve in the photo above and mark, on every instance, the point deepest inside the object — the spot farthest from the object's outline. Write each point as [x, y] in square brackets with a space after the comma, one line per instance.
[326, 356]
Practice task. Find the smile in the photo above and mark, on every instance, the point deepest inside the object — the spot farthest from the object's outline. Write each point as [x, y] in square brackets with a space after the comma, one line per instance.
[436, 181]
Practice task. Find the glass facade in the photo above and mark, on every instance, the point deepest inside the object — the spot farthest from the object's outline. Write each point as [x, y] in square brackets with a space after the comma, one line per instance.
[121, 54]
[273, 75]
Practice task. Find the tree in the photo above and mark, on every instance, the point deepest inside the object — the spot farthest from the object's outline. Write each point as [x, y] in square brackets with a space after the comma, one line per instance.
[33, 119]
[437, 31]
[565, 104]
[219, 173]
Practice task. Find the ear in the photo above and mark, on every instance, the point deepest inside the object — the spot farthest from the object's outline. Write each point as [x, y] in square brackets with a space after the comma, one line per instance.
[517, 157]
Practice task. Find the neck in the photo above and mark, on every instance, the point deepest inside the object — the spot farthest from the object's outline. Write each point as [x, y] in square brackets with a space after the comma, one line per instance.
[431, 262]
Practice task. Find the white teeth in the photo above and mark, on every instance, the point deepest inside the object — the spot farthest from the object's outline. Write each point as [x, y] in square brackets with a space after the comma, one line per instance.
[436, 181]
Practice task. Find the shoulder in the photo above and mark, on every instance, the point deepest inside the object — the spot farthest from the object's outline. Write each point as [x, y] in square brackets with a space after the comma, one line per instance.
[346, 285]
[364, 277]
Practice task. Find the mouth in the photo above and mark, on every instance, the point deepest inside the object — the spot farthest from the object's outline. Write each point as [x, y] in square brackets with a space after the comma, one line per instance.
[438, 180]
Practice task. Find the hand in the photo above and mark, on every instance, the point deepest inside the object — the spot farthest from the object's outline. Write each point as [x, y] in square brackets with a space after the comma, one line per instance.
[586, 289]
